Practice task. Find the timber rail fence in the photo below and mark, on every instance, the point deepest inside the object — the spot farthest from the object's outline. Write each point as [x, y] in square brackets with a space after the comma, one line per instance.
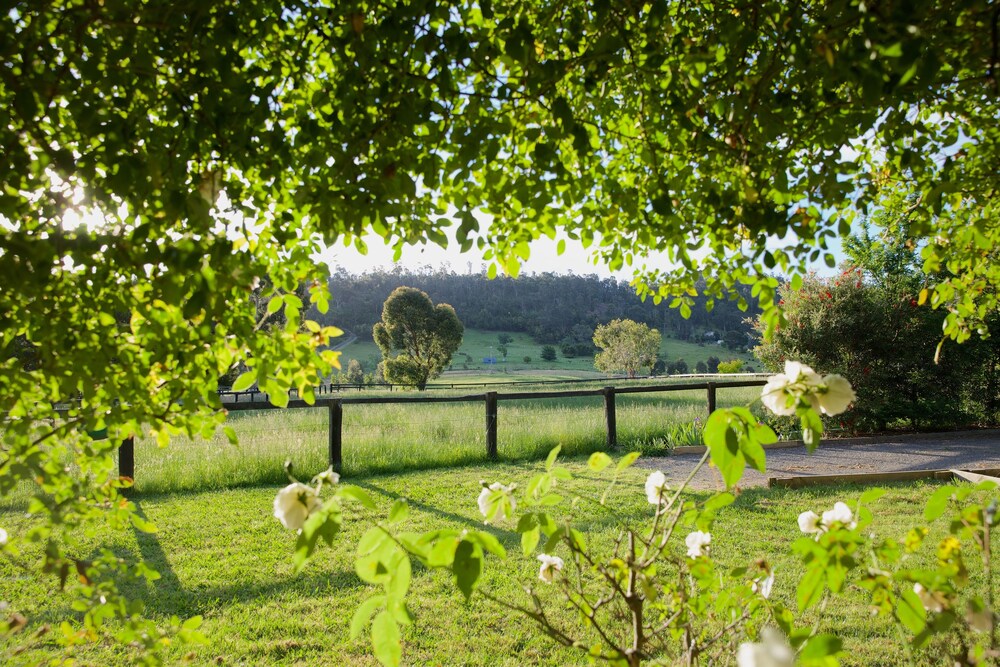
[490, 399]
[253, 395]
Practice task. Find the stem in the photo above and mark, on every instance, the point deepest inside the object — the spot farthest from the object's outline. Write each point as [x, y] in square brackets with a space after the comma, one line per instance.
[634, 602]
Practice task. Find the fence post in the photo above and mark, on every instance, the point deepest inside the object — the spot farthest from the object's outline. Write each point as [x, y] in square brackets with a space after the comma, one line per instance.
[610, 418]
[336, 410]
[491, 425]
[711, 397]
[126, 459]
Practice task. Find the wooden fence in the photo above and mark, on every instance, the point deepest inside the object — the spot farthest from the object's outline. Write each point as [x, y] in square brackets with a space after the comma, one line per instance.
[490, 399]
[255, 395]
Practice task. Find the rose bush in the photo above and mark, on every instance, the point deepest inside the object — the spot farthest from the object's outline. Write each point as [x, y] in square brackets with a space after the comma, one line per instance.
[645, 600]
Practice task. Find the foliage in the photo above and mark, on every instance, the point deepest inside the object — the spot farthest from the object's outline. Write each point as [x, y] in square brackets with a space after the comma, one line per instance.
[701, 367]
[625, 346]
[416, 337]
[878, 336]
[639, 600]
[552, 308]
[219, 143]
[731, 366]
[548, 353]
[713, 364]
[354, 374]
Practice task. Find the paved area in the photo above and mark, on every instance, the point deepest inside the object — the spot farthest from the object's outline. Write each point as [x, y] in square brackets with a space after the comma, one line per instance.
[965, 450]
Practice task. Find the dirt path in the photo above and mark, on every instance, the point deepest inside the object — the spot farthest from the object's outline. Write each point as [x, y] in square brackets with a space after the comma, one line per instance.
[966, 450]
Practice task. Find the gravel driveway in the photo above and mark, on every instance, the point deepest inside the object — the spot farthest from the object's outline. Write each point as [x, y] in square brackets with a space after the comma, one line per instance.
[968, 450]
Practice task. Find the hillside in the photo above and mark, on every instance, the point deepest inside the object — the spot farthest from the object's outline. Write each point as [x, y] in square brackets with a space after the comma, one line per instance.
[561, 310]
[478, 345]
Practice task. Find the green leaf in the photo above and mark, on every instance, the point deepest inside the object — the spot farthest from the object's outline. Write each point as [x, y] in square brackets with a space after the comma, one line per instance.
[820, 650]
[275, 304]
[142, 524]
[363, 613]
[385, 640]
[627, 460]
[754, 453]
[529, 540]
[323, 524]
[938, 502]
[245, 380]
[910, 611]
[718, 437]
[598, 461]
[487, 541]
[719, 500]
[812, 429]
[400, 510]
[871, 495]
[356, 493]
[468, 566]
[400, 573]
[810, 587]
[550, 460]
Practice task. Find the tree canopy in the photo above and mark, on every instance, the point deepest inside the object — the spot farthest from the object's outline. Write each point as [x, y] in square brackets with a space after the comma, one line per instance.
[161, 158]
[416, 337]
[626, 346]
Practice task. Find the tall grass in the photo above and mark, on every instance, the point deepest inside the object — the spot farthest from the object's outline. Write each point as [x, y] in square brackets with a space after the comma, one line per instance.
[400, 437]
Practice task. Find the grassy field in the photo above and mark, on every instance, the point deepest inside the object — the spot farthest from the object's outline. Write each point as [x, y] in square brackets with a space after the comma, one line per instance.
[399, 437]
[223, 556]
[478, 344]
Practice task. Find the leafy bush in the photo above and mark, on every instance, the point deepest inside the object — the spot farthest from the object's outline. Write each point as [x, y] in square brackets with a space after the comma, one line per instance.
[878, 336]
[548, 353]
[731, 366]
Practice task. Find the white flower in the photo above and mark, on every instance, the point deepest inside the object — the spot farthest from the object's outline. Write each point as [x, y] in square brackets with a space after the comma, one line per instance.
[773, 651]
[696, 543]
[550, 565]
[3, 537]
[809, 523]
[493, 494]
[782, 393]
[656, 486]
[328, 476]
[764, 586]
[799, 373]
[934, 602]
[836, 395]
[840, 513]
[776, 396]
[293, 504]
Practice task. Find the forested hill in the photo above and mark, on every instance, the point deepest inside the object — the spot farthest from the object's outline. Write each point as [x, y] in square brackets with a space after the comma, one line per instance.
[550, 307]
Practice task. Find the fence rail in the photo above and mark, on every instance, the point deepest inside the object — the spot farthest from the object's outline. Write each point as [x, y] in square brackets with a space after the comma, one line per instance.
[254, 395]
[490, 399]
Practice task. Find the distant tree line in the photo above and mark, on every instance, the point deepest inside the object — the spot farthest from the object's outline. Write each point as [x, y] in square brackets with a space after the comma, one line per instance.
[558, 310]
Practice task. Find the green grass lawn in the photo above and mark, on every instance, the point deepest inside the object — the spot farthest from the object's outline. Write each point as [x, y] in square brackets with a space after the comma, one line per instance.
[478, 344]
[223, 556]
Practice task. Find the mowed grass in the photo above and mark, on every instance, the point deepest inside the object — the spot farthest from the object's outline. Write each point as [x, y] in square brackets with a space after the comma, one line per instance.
[402, 437]
[478, 345]
[224, 557]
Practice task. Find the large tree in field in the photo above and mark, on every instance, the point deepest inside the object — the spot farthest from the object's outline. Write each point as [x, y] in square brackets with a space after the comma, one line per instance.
[416, 337]
[625, 346]
[161, 157]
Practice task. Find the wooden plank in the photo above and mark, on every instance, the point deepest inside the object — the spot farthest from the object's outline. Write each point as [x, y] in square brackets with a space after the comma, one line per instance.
[711, 397]
[126, 459]
[491, 425]
[977, 477]
[336, 426]
[864, 478]
[610, 419]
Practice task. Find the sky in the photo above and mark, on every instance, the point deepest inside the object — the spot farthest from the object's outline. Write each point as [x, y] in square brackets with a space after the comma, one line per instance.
[544, 258]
